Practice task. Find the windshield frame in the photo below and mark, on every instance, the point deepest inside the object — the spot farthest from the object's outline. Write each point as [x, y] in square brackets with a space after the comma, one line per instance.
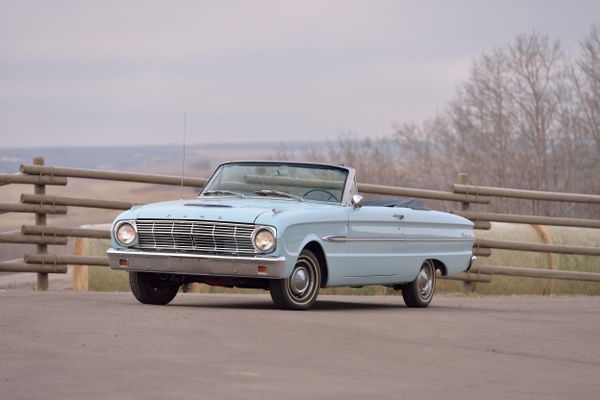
[347, 185]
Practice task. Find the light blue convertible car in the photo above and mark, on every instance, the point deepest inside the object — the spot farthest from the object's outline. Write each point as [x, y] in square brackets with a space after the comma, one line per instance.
[291, 228]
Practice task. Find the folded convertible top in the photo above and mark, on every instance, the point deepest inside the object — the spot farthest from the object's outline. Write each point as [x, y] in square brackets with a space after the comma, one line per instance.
[405, 203]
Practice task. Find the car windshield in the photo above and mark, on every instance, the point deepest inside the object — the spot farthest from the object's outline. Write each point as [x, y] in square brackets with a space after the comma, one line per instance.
[288, 181]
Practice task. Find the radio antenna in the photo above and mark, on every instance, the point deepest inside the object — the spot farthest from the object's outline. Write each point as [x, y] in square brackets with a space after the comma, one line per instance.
[183, 155]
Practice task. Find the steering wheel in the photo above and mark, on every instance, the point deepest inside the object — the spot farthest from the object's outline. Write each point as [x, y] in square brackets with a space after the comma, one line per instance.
[331, 194]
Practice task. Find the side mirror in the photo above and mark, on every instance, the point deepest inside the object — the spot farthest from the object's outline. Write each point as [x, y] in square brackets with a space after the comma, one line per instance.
[357, 201]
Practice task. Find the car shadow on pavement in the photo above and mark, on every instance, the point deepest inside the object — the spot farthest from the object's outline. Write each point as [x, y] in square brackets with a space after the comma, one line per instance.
[322, 305]
[351, 305]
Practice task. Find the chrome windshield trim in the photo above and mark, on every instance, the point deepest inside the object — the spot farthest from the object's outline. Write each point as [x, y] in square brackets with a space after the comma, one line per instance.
[346, 192]
[334, 238]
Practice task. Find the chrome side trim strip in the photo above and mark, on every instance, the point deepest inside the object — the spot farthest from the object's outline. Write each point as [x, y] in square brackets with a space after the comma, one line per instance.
[338, 239]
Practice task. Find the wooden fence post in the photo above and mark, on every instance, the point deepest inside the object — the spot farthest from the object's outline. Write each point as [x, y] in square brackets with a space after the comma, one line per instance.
[468, 286]
[80, 272]
[40, 220]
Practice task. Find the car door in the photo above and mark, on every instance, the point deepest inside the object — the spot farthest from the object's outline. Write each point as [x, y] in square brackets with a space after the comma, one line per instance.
[375, 245]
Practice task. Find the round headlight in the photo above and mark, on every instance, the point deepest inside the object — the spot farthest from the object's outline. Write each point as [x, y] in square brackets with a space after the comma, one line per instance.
[264, 240]
[125, 234]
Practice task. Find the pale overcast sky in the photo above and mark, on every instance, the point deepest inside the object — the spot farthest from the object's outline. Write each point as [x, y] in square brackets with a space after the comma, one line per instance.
[124, 72]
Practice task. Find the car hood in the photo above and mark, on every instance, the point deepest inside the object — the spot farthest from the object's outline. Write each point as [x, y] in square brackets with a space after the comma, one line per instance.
[214, 209]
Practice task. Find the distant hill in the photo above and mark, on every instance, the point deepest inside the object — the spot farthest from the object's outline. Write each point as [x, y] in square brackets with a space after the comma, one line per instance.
[164, 159]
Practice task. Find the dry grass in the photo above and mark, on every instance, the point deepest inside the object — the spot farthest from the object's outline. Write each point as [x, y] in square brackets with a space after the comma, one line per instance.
[103, 279]
[526, 233]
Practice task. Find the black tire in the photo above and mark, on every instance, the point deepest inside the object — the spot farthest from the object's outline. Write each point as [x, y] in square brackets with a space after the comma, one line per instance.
[300, 290]
[152, 288]
[419, 292]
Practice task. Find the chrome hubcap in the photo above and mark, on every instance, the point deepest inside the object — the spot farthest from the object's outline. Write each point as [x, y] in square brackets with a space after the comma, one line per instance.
[300, 280]
[425, 282]
[303, 284]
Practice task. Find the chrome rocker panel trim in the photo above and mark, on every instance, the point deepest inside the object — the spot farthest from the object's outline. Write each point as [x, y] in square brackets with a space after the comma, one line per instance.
[197, 264]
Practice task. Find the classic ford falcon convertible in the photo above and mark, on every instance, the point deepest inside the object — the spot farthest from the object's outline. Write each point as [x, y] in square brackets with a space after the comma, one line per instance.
[291, 228]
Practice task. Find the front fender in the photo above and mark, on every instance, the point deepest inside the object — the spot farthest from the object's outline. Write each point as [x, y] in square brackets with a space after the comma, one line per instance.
[292, 250]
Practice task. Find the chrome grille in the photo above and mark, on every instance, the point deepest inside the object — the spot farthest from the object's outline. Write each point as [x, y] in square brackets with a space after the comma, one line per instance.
[203, 236]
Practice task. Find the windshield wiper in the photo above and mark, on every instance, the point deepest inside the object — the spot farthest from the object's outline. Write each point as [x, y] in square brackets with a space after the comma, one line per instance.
[219, 192]
[269, 192]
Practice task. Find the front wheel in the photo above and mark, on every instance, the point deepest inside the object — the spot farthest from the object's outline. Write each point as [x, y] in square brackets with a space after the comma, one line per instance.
[419, 292]
[152, 288]
[300, 290]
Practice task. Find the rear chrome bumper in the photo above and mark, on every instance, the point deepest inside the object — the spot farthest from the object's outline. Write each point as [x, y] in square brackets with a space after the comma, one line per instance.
[473, 258]
[196, 264]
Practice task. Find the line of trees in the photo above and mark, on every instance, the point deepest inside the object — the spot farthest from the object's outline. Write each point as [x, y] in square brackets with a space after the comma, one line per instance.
[528, 116]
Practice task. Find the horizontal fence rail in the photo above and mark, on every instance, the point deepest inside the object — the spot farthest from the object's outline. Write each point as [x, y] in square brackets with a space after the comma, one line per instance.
[6, 179]
[30, 239]
[112, 175]
[483, 225]
[537, 247]
[537, 273]
[468, 277]
[32, 208]
[526, 194]
[66, 232]
[529, 219]
[103, 261]
[58, 260]
[481, 252]
[77, 202]
[20, 266]
[200, 182]
[420, 193]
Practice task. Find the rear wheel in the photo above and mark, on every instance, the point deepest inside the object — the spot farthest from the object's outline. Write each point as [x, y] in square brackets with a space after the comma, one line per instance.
[300, 290]
[419, 292]
[152, 288]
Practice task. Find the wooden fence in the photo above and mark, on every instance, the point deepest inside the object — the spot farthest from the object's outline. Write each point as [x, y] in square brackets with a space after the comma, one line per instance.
[42, 204]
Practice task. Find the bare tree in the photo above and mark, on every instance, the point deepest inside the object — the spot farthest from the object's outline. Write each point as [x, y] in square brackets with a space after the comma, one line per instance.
[537, 70]
[586, 79]
[482, 120]
[430, 157]
[527, 116]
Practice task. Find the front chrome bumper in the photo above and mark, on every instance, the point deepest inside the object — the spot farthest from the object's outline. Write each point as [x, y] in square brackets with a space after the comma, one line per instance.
[196, 264]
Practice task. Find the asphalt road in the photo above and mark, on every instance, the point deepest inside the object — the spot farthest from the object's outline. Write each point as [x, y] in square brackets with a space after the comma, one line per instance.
[64, 345]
